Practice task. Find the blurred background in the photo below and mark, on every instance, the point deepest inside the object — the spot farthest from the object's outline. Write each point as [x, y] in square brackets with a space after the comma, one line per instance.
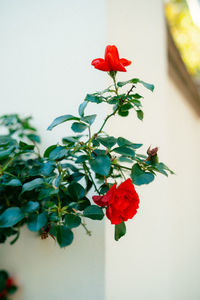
[45, 56]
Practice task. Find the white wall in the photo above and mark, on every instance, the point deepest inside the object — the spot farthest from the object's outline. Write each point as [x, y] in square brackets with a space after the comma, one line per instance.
[159, 256]
[184, 149]
[45, 55]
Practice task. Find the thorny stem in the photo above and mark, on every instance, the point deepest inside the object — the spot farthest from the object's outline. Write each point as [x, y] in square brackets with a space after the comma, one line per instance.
[115, 84]
[114, 112]
[119, 166]
[90, 139]
[87, 231]
[133, 86]
[106, 119]
[87, 171]
[6, 165]
[120, 169]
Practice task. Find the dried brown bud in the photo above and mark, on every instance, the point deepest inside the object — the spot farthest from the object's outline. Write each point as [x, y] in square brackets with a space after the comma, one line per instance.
[152, 152]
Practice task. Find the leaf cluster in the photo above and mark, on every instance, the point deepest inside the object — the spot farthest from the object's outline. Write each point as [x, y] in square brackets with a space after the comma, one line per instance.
[49, 193]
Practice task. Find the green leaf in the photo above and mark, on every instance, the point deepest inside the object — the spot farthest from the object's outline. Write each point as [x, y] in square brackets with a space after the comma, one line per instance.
[12, 289]
[140, 177]
[120, 230]
[124, 142]
[13, 182]
[60, 120]
[133, 81]
[113, 100]
[137, 96]
[104, 189]
[16, 238]
[76, 176]
[93, 98]
[64, 236]
[101, 164]
[76, 191]
[69, 166]
[124, 150]
[136, 146]
[83, 203]
[82, 158]
[72, 221]
[31, 185]
[125, 159]
[166, 168]
[78, 127]
[81, 108]
[48, 150]
[58, 153]
[25, 146]
[71, 139]
[147, 85]
[6, 153]
[10, 217]
[123, 113]
[34, 138]
[136, 102]
[89, 119]
[47, 168]
[107, 142]
[31, 206]
[46, 193]
[36, 222]
[140, 114]
[3, 279]
[93, 212]
[162, 168]
[126, 107]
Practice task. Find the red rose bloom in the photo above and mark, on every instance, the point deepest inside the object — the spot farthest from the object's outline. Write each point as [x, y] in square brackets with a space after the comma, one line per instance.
[9, 282]
[122, 202]
[111, 61]
[3, 293]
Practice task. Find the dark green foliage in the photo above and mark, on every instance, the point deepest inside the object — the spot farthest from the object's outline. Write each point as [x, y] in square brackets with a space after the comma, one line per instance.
[95, 98]
[81, 108]
[64, 236]
[89, 119]
[36, 222]
[78, 127]
[72, 220]
[93, 212]
[120, 230]
[100, 164]
[49, 193]
[140, 176]
[10, 217]
[7, 285]
[125, 150]
[61, 120]
[107, 142]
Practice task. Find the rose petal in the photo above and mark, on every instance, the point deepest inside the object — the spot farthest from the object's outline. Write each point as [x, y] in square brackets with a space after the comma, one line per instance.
[125, 62]
[98, 200]
[97, 61]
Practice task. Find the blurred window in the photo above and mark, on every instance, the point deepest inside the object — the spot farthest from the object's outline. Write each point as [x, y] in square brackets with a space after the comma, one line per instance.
[183, 22]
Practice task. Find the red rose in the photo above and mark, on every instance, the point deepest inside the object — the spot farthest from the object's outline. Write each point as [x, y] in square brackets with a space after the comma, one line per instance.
[9, 282]
[3, 293]
[122, 202]
[111, 61]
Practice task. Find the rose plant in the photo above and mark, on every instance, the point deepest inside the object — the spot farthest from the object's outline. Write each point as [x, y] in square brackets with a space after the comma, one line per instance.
[7, 285]
[51, 192]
